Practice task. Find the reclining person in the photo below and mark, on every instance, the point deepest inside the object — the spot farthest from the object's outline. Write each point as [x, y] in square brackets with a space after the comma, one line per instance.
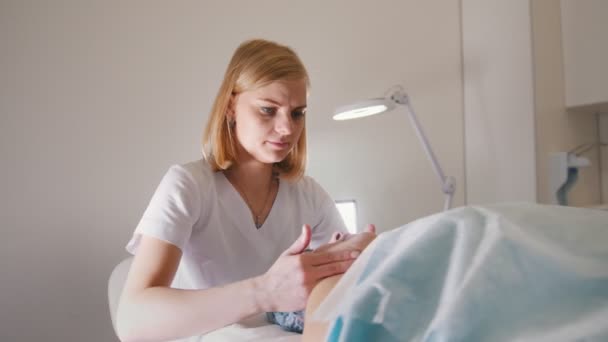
[294, 321]
[504, 272]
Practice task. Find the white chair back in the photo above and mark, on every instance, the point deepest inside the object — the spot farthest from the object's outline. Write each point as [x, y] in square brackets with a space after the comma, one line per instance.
[115, 285]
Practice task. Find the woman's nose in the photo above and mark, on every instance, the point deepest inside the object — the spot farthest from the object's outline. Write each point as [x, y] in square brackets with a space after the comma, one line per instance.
[284, 125]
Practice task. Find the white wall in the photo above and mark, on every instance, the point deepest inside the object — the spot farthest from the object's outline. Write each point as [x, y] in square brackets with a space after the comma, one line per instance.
[556, 129]
[98, 98]
[603, 122]
[514, 93]
[585, 49]
[499, 103]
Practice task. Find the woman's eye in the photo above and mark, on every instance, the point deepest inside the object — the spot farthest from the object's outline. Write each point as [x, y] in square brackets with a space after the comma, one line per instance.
[268, 110]
[297, 114]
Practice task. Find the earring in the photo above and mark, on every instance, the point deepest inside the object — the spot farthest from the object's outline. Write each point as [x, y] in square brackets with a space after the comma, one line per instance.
[230, 122]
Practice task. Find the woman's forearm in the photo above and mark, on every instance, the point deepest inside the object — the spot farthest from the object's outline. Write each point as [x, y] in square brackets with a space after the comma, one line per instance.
[162, 313]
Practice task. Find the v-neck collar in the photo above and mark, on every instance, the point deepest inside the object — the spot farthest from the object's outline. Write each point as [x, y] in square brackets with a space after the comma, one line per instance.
[251, 222]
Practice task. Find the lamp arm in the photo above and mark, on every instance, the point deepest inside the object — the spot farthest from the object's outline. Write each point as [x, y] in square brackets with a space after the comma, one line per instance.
[448, 184]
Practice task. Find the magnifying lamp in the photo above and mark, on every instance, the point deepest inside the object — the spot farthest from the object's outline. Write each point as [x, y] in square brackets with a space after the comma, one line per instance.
[397, 96]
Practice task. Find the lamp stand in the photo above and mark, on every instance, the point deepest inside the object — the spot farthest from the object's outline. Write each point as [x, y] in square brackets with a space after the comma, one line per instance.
[448, 183]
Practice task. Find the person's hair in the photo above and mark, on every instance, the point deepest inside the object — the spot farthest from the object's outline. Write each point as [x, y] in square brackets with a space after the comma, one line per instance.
[255, 63]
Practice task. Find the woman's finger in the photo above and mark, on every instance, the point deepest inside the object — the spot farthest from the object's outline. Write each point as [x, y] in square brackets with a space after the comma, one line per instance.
[299, 246]
[323, 258]
[334, 268]
[371, 228]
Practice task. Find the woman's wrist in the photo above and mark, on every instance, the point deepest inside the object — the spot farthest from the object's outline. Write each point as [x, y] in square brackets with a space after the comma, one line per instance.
[262, 300]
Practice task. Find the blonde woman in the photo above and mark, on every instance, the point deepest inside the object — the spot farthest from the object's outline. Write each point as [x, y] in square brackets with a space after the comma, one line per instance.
[224, 237]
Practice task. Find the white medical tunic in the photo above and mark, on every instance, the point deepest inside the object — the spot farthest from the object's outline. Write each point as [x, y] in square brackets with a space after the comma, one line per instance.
[200, 212]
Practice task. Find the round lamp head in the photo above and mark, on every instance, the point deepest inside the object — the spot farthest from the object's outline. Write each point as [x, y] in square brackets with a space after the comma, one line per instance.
[363, 109]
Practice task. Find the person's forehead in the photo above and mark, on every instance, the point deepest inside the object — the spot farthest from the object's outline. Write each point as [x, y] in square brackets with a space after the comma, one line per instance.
[292, 92]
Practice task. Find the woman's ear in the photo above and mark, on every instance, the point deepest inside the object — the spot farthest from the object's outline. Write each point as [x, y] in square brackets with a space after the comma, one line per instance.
[230, 110]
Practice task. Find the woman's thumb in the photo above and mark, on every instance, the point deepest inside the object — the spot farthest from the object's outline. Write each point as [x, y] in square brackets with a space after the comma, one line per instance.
[301, 243]
[370, 228]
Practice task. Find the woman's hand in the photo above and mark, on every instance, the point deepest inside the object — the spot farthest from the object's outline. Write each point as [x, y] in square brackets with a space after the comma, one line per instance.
[357, 242]
[288, 283]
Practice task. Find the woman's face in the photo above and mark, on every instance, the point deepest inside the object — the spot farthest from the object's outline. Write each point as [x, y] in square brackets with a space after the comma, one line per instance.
[269, 120]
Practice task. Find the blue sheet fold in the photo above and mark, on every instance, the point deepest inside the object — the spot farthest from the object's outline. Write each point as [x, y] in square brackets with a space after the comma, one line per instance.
[486, 273]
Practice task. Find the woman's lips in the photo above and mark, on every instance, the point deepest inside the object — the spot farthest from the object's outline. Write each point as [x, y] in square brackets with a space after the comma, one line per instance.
[279, 145]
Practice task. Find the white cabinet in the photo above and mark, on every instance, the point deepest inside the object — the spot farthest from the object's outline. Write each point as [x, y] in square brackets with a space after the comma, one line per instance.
[585, 51]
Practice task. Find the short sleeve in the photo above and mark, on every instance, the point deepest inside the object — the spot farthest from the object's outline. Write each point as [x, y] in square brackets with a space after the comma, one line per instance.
[329, 219]
[172, 211]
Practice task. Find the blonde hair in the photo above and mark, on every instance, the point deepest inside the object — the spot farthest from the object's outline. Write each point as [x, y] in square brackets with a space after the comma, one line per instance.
[255, 63]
